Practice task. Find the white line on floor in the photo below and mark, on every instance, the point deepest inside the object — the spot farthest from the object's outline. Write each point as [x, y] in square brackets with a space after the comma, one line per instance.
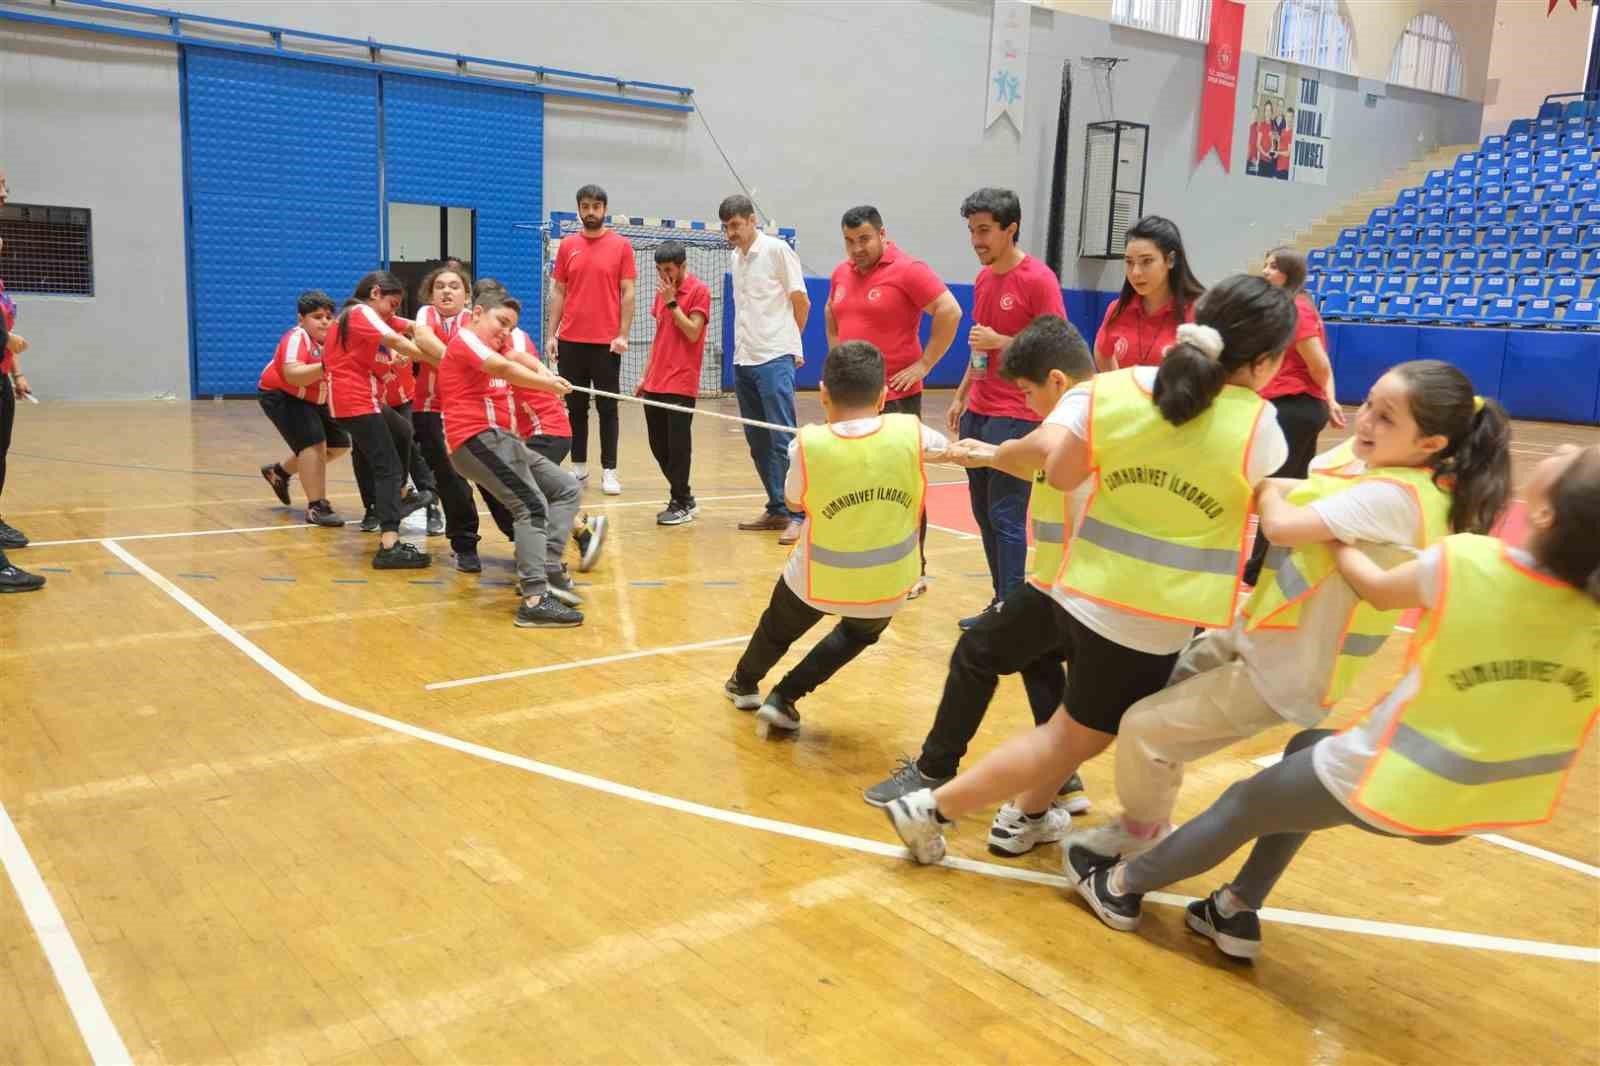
[581, 663]
[307, 692]
[99, 1032]
[963, 534]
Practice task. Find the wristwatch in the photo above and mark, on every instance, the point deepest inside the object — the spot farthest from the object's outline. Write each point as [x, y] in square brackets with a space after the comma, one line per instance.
[672, 305]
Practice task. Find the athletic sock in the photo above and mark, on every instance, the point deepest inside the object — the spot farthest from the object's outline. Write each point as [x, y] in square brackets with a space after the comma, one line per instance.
[1228, 904]
[1114, 882]
[1035, 817]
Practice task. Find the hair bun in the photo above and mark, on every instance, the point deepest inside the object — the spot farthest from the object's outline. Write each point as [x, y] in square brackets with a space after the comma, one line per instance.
[1205, 338]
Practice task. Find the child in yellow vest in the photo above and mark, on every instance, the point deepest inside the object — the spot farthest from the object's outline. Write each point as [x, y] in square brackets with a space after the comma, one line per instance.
[1046, 359]
[859, 480]
[1174, 454]
[1428, 458]
[1478, 728]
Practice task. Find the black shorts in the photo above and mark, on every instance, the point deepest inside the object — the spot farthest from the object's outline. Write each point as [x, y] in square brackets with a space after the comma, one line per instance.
[301, 423]
[554, 449]
[1105, 678]
[905, 405]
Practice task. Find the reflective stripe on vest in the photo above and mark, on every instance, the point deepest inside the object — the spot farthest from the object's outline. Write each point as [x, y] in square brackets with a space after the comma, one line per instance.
[1163, 531]
[1506, 667]
[1049, 532]
[1048, 520]
[860, 560]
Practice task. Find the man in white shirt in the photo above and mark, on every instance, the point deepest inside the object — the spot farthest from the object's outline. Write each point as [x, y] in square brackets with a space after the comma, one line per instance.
[770, 309]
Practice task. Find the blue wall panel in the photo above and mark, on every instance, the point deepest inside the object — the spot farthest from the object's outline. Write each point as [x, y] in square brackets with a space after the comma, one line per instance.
[1479, 353]
[282, 161]
[1362, 353]
[472, 146]
[1550, 375]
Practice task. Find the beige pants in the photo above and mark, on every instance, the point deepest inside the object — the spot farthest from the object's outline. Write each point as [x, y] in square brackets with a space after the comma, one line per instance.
[1212, 707]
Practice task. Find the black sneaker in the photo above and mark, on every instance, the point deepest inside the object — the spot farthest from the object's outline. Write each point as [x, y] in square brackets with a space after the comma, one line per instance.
[468, 562]
[590, 539]
[279, 480]
[559, 584]
[1238, 937]
[416, 501]
[14, 580]
[1073, 796]
[321, 513]
[435, 520]
[972, 620]
[402, 556]
[676, 514]
[548, 613]
[12, 537]
[907, 778]
[1090, 872]
[745, 697]
[778, 712]
[369, 521]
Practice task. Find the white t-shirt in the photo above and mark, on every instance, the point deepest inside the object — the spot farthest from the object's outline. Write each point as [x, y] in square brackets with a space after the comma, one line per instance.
[1290, 668]
[763, 318]
[934, 445]
[1153, 636]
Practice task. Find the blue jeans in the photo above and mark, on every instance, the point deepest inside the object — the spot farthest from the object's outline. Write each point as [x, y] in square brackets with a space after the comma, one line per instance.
[766, 394]
[1000, 503]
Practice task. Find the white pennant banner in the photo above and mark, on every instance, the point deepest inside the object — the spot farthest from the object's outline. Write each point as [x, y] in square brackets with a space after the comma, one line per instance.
[1008, 62]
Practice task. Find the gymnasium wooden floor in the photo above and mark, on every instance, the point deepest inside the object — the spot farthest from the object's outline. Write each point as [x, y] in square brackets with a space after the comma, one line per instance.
[272, 837]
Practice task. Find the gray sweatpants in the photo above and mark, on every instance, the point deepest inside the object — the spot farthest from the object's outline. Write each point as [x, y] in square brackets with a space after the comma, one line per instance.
[1277, 808]
[542, 499]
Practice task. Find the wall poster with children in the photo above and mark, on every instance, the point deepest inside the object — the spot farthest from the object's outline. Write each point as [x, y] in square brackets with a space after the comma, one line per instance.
[1290, 125]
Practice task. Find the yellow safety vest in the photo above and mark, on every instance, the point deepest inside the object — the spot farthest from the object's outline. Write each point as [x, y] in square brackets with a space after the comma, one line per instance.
[1508, 660]
[1049, 521]
[863, 498]
[1163, 532]
[1289, 577]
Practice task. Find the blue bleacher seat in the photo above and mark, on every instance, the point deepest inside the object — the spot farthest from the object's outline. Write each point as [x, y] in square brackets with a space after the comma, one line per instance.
[1539, 312]
[1459, 285]
[1528, 236]
[1546, 156]
[1428, 285]
[1558, 193]
[1584, 192]
[1551, 109]
[1435, 197]
[1549, 137]
[1350, 235]
[1461, 237]
[1377, 235]
[1406, 216]
[1579, 120]
[1528, 261]
[1344, 256]
[1573, 136]
[1574, 154]
[1469, 159]
[1523, 215]
[1528, 287]
[1520, 156]
[1520, 193]
[1589, 171]
[1392, 284]
[1372, 259]
[1559, 213]
[1519, 174]
[1492, 174]
[1589, 237]
[1436, 179]
[1465, 261]
[1429, 261]
[1430, 307]
[1566, 261]
[1363, 283]
[1492, 215]
[1463, 174]
[1336, 282]
[1366, 306]
[1565, 289]
[1495, 142]
[1434, 215]
[1518, 126]
[1466, 309]
[1334, 304]
[1574, 109]
[1463, 215]
[1462, 196]
[1313, 283]
[1582, 314]
[1402, 257]
[1501, 309]
[1591, 263]
[1497, 236]
[1400, 307]
[1317, 259]
[1431, 237]
[1496, 260]
[1491, 194]
[1380, 216]
[1589, 214]
[1491, 286]
[1562, 236]
[1408, 197]
[1548, 174]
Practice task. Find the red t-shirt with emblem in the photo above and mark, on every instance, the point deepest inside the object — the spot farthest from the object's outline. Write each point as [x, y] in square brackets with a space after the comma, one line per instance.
[356, 372]
[675, 360]
[470, 400]
[1139, 337]
[1006, 303]
[884, 306]
[294, 347]
[427, 385]
[540, 413]
[401, 384]
[1294, 377]
[8, 311]
[592, 269]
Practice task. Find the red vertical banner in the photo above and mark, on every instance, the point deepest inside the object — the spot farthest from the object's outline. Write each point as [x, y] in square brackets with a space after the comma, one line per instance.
[1221, 86]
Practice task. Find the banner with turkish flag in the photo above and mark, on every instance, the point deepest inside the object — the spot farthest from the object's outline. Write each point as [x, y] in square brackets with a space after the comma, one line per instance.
[1221, 86]
[1551, 10]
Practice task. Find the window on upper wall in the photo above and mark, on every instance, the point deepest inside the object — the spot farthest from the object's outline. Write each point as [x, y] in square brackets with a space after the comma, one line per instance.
[1426, 57]
[1180, 18]
[46, 250]
[1314, 32]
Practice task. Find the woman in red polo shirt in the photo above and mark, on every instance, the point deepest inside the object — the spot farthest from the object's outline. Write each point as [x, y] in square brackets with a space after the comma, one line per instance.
[1302, 390]
[1158, 294]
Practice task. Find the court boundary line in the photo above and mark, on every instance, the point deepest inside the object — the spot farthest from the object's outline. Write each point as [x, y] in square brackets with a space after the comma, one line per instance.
[555, 668]
[1532, 850]
[88, 1010]
[306, 691]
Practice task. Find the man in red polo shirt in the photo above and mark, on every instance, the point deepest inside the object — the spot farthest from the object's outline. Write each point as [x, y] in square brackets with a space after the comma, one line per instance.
[591, 302]
[879, 294]
[682, 306]
[1012, 289]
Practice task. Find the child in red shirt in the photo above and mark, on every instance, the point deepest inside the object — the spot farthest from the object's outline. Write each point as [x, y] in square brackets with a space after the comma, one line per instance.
[293, 395]
[672, 375]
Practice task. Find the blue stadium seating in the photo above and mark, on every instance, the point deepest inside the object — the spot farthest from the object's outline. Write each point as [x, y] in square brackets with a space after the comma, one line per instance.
[1317, 259]
[1379, 233]
[1559, 192]
[1462, 196]
[1462, 215]
[1547, 156]
[1528, 287]
[1467, 309]
[1589, 237]
[1590, 213]
[1528, 260]
[1556, 214]
[1436, 179]
[1582, 314]
[1459, 285]
[1540, 311]
[1523, 215]
[1519, 193]
[1565, 260]
[1431, 307]
[1431, 237]
[1409, 197]
[1562, 236]
[1492, 214]
[1501, 309]
[1584, 172]
[1336, 282]
[1461, 237]
[1434, 215]
[1497, 237]
[1428, 285]
[1363, 284]
[1380, 216]
[1429, 261]
[1591, 262]
[1466, 259]
[1392, 285]
[1494, 143]
[1519, 174]
[1350, 236]
[1344, 256]
[1573, 108]
[1365, 306]
[1549, 137]
[1574, 154]
[1402, 257]
[1438, 196]
[1551, 109]
[1400, 307]
[1566, 288]
[1373, 259]
[1584, 192]
[1406, 216]
[1313, 284]
[1494, 286]
[1527, 236]
[1548, 174]
[1334, 304]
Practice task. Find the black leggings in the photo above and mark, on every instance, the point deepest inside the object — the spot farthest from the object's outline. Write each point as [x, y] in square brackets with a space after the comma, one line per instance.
[378, 442]
[8, 417]
[455, 492]
[785, 621]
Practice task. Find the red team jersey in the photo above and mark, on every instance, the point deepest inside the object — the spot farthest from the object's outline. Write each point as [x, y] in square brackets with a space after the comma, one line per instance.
[8, 311]
[540, 413]
[675, 359]
[592, 269]
[1006, 303]
[1138, 337]
[356, 373]
[427, 385]
[884, 306]
[471, 400]
[294, 347]
[1294, 377]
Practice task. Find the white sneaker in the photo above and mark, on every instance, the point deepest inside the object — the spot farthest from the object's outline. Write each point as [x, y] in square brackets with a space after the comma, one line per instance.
[918, 590]
[1113, 840]
[915, 817]
[609, 483]
[580, 471]
[1014, 833]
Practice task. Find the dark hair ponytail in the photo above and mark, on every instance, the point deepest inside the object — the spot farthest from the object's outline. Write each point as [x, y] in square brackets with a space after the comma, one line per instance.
[1477, 458]
[1569, 548]
[1256, 320]
[382, 280]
